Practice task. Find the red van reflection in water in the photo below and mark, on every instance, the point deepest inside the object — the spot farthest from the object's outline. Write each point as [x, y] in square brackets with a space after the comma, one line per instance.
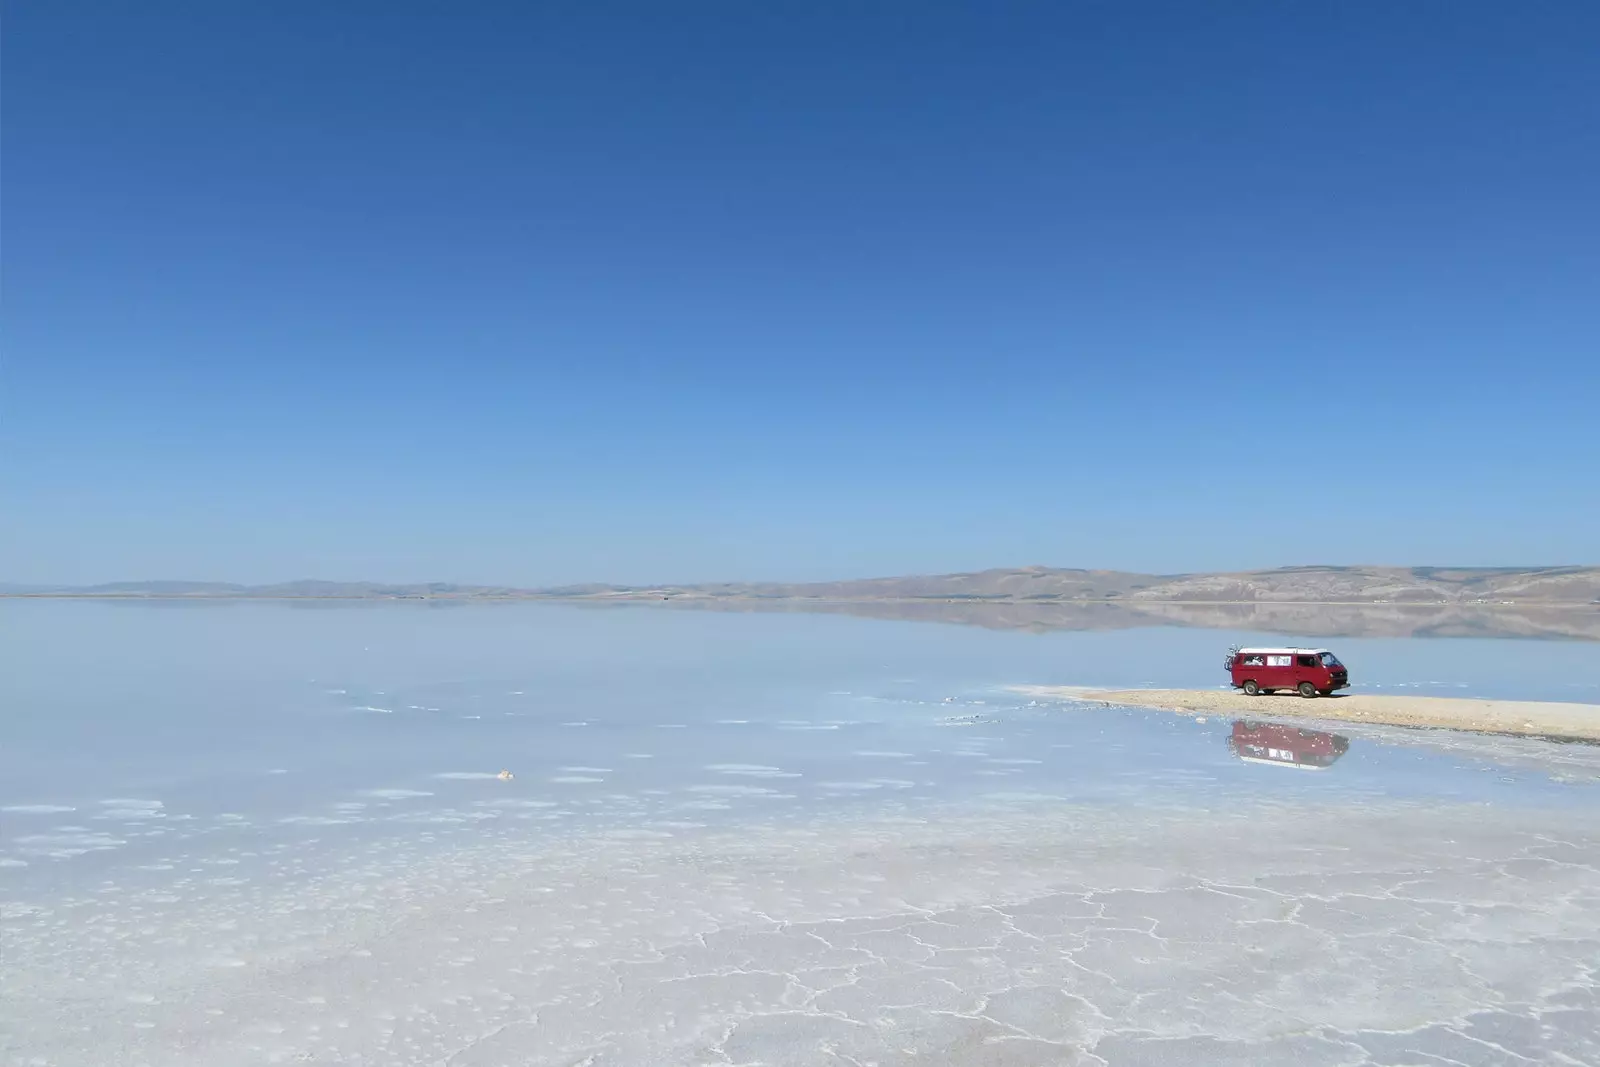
[1285, 746]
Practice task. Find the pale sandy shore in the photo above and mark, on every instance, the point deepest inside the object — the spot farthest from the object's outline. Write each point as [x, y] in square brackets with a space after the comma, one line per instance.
[1520, 717]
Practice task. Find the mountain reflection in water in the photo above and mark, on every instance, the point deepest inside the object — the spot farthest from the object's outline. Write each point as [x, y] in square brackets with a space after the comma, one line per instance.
[1285, 746]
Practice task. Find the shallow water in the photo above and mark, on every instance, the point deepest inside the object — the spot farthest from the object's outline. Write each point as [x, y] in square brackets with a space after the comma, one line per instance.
[264, 833]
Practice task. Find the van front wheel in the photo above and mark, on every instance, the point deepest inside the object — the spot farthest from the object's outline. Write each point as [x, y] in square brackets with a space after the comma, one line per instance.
[1250, 688]
[1307, 690]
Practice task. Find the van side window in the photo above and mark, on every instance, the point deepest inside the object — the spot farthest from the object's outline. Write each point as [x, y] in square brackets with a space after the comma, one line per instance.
[1252, 661]
[1279, 661]
[1307, 661]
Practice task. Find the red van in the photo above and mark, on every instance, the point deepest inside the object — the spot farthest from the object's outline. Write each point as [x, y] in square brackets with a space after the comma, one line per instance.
[1311, 671]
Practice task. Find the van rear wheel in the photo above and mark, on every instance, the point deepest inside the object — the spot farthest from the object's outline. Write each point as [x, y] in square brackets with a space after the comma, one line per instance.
[1307, 690]
[1251, 688]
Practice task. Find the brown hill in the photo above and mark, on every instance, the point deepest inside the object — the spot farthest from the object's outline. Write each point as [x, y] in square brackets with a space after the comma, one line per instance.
[1020, 585]
[1312, 585]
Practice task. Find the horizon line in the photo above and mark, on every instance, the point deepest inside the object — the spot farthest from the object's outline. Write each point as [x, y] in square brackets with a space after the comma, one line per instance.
[1530, 568]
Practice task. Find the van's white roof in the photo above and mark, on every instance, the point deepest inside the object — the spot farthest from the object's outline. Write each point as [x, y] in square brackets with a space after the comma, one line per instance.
[1283, 651]
[1283, 763]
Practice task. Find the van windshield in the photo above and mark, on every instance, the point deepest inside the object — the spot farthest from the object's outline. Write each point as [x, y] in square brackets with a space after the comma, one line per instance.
[1330, 660]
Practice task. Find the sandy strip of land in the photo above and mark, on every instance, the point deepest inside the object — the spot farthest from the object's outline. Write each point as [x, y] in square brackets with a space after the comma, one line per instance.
[1520, 717]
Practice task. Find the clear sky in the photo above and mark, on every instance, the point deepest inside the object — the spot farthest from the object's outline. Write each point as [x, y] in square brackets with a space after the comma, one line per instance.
[550, 292]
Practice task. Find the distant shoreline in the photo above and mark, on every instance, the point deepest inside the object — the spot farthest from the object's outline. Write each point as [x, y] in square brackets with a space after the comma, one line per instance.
[1537, 603]
[692, 598]
[1323, 619]
[1566, 587]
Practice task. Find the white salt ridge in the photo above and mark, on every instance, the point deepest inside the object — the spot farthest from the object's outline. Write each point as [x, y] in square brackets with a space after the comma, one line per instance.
[513, 802]
[37, 809]
[751, 770]
[131, 814]
[466, 775]
[867, 785]
[585, 770]
[576, 779]
[637, 835]
[66, 845]
[870, 754]
[397, 794]
[738, 791]
[442, 818]
[130, 810]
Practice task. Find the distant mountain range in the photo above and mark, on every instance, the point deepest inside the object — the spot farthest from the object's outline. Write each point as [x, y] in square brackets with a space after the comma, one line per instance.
[1571, 622]
[1462, 586]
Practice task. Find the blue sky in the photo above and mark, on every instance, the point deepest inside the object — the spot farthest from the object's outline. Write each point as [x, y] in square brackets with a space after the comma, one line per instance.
[542, 293]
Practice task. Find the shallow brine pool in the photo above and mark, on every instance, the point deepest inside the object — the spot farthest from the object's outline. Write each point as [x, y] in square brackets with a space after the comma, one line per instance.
[491, 834]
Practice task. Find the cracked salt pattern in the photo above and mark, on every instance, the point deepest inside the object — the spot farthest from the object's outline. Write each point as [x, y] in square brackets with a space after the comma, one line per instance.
[234, 860]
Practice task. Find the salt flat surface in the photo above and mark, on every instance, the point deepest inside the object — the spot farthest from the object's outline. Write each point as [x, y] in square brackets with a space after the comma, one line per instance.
[774, 840]
[1533, 718]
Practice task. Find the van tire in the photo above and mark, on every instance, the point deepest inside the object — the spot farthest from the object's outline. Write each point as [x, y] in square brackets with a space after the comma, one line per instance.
[1251, 688]
[1307, 690]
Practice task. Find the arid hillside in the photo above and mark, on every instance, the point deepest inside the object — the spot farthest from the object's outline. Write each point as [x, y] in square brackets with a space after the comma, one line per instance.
[1499, 586]
[1320, 585]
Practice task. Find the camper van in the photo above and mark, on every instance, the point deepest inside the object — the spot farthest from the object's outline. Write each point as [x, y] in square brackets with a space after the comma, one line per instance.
[1309, 671]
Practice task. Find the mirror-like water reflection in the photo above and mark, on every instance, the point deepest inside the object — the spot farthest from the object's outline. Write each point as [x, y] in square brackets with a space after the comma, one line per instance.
[1286, 746]
[263, 835]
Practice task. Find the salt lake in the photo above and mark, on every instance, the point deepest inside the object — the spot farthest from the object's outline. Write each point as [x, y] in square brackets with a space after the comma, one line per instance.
[240, 833]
